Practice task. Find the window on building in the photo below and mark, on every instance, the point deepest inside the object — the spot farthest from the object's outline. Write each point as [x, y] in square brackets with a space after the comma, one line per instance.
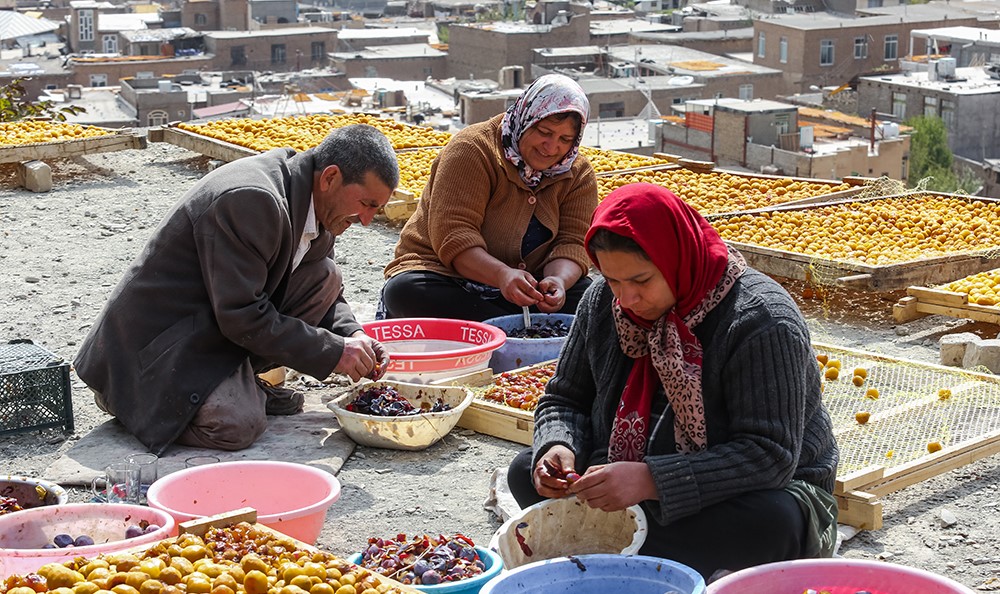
[318, 51]
[860, 48]
[891, 47]
[98, 80]
[110, 43]
[781, 124]
[614, 109]
[948, 113]
[428, 71]
[783, 50]
[874, 3]
[761, 45]
[157, 118]
[86, 24]
[238, 55]
[200, 19]
[826, 52]
[930, 107]
[278, 53]
[899, 105]
[746, 92]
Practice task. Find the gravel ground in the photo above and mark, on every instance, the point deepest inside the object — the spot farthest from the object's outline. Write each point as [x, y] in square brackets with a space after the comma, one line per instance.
[62, 252]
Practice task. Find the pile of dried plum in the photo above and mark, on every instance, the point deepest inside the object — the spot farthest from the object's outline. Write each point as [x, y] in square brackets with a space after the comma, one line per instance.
[386, 401]
[546, 329]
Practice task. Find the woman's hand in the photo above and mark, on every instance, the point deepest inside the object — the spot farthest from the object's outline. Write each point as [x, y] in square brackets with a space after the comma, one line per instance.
[615, 486]
[553, 294]
[519, 287]
[546, 484]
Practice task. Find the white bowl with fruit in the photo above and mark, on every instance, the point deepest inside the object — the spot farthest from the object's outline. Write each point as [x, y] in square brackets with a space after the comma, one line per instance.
[399, 415]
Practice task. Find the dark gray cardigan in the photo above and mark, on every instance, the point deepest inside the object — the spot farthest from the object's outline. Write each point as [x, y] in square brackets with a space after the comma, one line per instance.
[760, 381]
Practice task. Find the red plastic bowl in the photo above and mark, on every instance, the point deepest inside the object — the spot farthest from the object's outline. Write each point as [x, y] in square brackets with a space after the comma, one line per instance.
[836, 576]
[291, 498]
[23, 534]
[427, 349]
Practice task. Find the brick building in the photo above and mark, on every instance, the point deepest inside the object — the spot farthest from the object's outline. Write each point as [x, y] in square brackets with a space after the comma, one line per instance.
[349, 40]
[967, 100]
[107, 71]
[276, 50]
[216, 15]
[826, 50]
[721, 76]
[719, 42]
[770, 136]
[480, 50]
[400, 62]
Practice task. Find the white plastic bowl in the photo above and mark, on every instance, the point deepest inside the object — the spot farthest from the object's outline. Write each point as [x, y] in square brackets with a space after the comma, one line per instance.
[32, 492]
[423, 350]
[22, 534]
[291, 498]
[567, 526]
[411, 432]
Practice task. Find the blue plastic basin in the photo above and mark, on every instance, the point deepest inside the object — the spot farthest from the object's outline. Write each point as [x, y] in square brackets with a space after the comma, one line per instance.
[598, 574]
[470, 586]
[518, 352]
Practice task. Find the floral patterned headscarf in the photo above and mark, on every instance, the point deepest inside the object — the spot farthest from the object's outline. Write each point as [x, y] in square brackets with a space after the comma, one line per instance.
[547, 95]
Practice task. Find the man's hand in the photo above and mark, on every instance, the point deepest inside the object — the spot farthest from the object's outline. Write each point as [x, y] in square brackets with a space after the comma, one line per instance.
[381, 361]
[519, 287]
[615, 486]
[553, 294]
[359, 356]
[544, 474]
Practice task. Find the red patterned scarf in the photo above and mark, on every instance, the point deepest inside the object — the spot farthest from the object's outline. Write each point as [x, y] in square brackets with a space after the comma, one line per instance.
[700, 270]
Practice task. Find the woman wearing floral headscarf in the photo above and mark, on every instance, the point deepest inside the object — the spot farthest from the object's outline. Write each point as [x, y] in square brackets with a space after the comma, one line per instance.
[501, 221]
[688, 385]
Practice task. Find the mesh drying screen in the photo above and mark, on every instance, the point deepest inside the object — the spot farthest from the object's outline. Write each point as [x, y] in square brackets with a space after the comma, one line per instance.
[909, 413]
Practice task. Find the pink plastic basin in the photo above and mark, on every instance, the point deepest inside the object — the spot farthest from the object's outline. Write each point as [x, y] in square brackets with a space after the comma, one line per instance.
[23, 534]
[836, 576]
[291, 498]
[426, 349]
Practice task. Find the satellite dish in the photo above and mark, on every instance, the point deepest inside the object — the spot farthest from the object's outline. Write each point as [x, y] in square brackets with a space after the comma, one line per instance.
[680, 81]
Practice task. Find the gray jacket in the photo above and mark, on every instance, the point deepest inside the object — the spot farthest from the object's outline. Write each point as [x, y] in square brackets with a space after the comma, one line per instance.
[202, 297]
[761, 387]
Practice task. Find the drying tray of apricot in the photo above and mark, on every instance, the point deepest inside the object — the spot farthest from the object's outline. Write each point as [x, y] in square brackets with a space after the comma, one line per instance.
[892, 412]
[877, 231]
[519, 389]
[724, 192]
[303, 132]
[881, 243]
[415, 170]
[979, 289]
[239, 559]
[29, 132]
[605, 161]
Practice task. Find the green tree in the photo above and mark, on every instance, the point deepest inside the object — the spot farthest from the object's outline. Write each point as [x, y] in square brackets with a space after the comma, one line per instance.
[14, 105]
[930, 157]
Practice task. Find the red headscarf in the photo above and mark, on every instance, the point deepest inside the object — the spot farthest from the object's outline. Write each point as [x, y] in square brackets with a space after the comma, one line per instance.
[700, 269]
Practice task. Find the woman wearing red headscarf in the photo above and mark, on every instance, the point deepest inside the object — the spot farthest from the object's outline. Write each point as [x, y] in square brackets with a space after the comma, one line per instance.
[688, 385]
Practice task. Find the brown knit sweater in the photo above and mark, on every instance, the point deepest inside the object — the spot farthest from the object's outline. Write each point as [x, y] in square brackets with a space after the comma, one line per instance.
[475, 198]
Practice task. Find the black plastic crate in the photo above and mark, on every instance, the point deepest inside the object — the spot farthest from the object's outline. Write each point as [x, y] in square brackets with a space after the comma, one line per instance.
[34, 389]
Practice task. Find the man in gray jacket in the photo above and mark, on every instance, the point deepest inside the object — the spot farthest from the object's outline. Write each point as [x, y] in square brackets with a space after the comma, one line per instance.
[240, 278]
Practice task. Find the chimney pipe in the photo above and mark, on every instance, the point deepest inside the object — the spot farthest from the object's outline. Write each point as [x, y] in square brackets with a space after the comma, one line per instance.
[872, 147]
